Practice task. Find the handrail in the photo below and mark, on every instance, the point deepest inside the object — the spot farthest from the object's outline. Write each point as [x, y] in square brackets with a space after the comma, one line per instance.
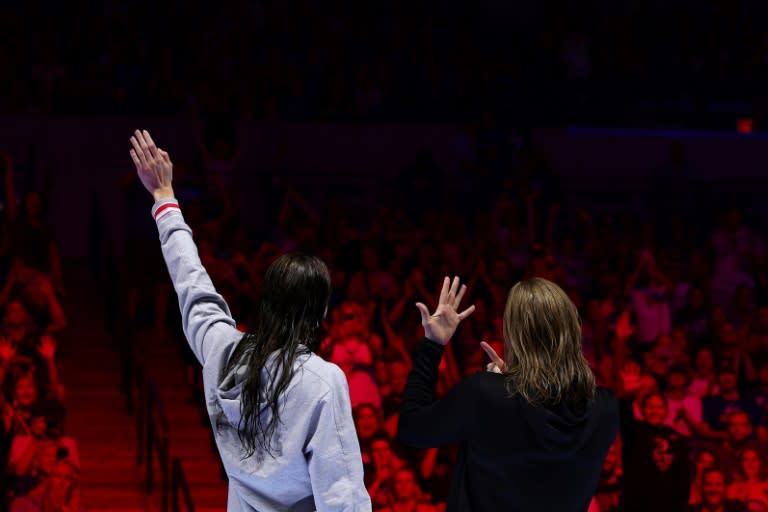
[152, 433]
[179, 484]
[157, 442]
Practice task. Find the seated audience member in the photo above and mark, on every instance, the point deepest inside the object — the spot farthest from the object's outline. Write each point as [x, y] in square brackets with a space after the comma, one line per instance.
[694, 317]
[704, 380]
[752, 485]
[649, 291]
[398, 376]
[29, 450]
[385, 463]
[704, 460]
[34, 289]
[367, 425]
[36, 354]
[21, 391]
[715, 409]
[758, 399]
[350, 341]
[684, 409]
[713, 485]
[407, 496]
[740, 436]
[60, 492]
[33, 239]
[668, 353]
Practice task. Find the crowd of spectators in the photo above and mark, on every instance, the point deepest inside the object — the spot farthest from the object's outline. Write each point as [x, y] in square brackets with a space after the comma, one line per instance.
[39, 463]
[393, 60]
[672, 299]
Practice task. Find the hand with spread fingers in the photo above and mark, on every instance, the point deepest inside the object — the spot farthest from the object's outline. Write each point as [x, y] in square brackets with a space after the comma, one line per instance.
[153, 165]
[440, 326]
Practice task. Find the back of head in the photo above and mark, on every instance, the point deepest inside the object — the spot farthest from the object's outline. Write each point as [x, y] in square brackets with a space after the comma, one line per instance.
[290, 311]
[542, 339]
[294, 296]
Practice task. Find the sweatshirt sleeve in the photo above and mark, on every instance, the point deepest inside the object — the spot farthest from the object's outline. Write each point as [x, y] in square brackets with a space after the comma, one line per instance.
[424, 422]
[205, 315]
[333, 452]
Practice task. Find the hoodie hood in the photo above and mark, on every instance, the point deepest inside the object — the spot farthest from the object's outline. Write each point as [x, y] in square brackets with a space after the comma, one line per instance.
[561, 428]
[229, 392]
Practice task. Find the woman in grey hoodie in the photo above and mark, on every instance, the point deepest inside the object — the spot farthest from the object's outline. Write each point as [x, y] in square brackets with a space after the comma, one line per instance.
[281, 415]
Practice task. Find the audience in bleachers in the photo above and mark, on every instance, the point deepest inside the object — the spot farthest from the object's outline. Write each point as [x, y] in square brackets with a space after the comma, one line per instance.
[40, 464]
[678, 328]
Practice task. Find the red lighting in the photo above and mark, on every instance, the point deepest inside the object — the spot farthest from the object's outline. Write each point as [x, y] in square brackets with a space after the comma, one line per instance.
[744, 125]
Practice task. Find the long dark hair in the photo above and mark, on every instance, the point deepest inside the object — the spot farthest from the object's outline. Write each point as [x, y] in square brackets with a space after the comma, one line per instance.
[293, 303]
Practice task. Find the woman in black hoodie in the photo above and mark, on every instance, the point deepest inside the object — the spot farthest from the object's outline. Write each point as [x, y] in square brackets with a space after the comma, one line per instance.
[534, 435]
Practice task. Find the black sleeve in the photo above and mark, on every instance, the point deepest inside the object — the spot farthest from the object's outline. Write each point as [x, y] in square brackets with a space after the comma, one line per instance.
[424, 422]
[627, 428]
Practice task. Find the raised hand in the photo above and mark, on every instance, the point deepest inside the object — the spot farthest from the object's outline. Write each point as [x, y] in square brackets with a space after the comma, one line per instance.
[630, 376]
[497, 364]
[624, 328]
[7, 350]
[440, 326]
[153, 165]
[47, 347]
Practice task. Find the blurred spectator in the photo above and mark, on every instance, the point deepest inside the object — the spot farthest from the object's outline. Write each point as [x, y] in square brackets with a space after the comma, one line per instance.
[704, 460]
[657, 471]
[752, 485]
[713, 494]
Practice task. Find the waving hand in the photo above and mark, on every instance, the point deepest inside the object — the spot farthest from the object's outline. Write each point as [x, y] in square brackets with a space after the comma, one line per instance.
[440, 326]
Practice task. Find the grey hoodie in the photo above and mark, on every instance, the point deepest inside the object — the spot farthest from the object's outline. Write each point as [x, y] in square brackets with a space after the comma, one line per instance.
[317, 463]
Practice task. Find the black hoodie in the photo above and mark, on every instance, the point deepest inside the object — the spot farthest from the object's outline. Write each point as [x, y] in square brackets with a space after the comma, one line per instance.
[513, 456]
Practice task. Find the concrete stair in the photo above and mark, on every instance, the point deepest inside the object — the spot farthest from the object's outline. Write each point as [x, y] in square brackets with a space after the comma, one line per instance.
[98, 419]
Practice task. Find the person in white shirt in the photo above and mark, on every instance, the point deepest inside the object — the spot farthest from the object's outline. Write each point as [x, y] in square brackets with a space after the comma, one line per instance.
[281, 415]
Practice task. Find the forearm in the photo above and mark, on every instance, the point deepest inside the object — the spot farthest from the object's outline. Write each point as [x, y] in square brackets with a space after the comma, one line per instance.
[201, 305]
[427, 466]
[425, 422]
[53, 376]
[21, 466]
[58, 318]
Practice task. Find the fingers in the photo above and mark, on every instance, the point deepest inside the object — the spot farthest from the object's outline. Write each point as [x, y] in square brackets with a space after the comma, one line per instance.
[138, 150]
[454, 289]
[135, 158]
[164, 155]
[150, 144]
[460, 296]
[444, 292]
[424, 312]
[494, 357]
[464, 314]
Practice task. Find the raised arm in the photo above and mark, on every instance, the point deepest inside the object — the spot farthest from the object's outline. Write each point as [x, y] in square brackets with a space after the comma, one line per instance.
[425, 422]
[205, 315]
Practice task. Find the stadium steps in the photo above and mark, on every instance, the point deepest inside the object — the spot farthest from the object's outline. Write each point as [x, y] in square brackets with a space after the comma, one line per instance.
[188, 424]
[97, 417]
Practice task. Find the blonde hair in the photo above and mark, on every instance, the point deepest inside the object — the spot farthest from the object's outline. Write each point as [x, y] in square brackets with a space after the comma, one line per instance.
[542, 345]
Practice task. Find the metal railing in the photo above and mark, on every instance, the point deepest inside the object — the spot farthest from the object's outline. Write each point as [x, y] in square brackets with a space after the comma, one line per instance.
[152, 437]
[156, 442]
[179, 485]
